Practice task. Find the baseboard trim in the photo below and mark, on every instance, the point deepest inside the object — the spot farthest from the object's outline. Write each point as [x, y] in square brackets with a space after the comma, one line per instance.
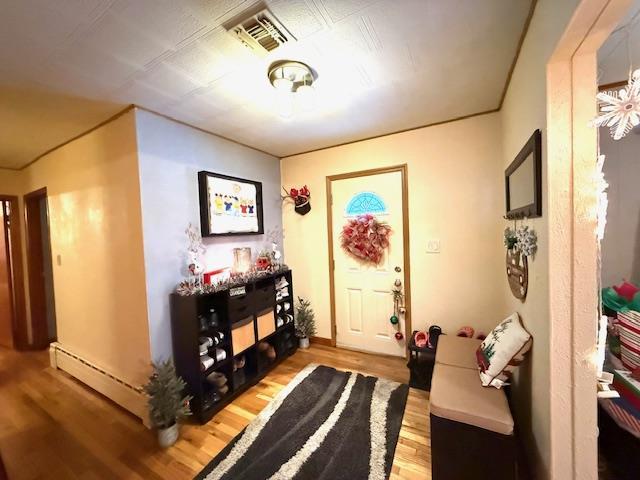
[321, 341]
[128, 396]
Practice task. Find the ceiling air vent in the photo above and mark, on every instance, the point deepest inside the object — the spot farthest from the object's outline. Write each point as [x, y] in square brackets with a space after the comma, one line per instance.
[261, 32]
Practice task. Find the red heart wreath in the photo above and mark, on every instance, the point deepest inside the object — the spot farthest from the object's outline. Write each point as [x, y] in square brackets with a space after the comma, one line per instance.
[365, 238]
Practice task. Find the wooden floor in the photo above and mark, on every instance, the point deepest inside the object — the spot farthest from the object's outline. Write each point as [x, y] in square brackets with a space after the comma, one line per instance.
[52, 426]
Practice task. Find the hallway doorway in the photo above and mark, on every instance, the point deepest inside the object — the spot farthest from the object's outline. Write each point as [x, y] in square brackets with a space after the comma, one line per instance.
[13, 330]
[40, 269]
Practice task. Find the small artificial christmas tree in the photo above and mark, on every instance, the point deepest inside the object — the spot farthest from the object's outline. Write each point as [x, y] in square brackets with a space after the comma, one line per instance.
[305, 319]
[166, 401]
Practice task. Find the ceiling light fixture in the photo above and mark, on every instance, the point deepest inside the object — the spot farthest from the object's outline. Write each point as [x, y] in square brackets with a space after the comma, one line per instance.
[291, 77]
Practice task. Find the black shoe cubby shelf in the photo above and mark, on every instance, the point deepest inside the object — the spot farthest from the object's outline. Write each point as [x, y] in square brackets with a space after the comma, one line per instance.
[227, 341]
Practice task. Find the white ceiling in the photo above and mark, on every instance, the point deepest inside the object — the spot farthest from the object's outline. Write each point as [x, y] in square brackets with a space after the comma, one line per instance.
[383, 65]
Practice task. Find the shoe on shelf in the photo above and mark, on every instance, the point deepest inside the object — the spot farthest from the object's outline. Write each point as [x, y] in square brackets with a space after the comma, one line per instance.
[238, 362]
[421, 339]
[281, 283]
[216, 378]
[271, 353]
[289, 318]
[287, 306]
[279, 322]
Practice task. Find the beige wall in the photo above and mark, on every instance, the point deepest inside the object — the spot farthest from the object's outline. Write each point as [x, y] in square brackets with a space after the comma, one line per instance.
[96, 232]
[10, 182]
[455, 195]
[523, 111]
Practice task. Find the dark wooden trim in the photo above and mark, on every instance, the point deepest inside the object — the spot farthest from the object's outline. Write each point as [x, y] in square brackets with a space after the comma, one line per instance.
[186, 124]
[200, 129]
[533, 146]
[395, 132]
[80, 135]
[321, 341]
[40, 334]
[118, 115]
[19, 321]
[523, 35]
[41, 192]
[407, 258]
[612, 85]
[403, 169]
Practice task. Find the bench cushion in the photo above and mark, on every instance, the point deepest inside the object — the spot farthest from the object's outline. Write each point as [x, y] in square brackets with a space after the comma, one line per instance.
[458, 395]
[458, 351]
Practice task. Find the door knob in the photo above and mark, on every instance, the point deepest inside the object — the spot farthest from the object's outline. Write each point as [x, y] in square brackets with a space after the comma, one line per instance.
[398, 269]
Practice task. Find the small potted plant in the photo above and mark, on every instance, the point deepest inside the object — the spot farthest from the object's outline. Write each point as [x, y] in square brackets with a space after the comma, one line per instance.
[167, 404]
[305, 322]
[510, 238]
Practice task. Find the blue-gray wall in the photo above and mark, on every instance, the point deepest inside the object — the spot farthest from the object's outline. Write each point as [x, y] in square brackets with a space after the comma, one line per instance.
[170, 155]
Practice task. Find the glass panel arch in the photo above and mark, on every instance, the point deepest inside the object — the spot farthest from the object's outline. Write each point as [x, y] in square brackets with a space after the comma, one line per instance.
[366, 202]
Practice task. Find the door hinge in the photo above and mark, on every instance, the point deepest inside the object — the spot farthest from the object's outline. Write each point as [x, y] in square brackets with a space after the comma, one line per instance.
[333, 264]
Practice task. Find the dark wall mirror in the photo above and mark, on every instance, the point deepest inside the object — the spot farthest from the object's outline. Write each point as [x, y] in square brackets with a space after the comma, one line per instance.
[523, 181]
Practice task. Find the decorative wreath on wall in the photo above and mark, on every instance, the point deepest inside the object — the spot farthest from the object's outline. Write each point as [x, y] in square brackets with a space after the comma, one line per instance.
[365, 238]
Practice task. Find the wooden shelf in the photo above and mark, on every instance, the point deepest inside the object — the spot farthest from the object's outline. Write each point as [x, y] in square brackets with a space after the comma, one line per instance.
[186, 312]
[216, 366]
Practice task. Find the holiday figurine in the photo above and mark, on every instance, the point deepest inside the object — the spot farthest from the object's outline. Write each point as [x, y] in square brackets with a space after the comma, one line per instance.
[227, 204]
[217, 202]
[195, 254]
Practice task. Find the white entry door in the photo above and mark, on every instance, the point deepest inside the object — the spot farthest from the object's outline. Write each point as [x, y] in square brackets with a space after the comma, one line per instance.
[363, 292]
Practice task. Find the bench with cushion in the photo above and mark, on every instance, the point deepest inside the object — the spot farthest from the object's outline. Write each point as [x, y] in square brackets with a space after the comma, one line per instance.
[472, 430]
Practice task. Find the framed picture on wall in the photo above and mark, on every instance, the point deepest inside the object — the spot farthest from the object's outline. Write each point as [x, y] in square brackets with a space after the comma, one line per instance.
[229, 205]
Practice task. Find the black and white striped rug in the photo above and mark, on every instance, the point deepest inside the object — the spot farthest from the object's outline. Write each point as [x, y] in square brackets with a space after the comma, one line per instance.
[325, 424]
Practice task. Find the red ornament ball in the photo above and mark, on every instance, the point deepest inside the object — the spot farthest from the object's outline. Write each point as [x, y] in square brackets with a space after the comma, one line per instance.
[399, 336]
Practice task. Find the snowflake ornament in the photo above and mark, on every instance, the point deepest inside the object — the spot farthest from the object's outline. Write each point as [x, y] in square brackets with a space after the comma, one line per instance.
[620, 111]
[527, 241]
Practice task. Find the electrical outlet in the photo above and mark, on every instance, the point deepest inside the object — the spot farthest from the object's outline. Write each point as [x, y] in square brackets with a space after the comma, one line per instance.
[433, 246]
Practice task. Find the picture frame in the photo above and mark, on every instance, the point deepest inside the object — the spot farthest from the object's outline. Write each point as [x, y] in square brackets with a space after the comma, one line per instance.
[523, 181]
[229, 205]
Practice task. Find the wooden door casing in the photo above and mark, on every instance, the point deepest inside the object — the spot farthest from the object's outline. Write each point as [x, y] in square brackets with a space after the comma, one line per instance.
[403, 231]
[35, 267]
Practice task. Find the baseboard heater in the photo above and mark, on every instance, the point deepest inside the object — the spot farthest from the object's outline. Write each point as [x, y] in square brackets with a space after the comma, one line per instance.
[128, 396]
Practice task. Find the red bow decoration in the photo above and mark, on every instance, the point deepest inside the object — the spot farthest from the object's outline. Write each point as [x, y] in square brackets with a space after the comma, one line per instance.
[300, 197]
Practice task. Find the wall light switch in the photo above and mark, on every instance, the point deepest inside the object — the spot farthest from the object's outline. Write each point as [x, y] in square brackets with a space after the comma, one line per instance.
[433, 246]
[59, 260]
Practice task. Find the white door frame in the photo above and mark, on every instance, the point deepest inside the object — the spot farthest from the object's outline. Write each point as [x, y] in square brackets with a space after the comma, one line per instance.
[573, 248]
[405, 232]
